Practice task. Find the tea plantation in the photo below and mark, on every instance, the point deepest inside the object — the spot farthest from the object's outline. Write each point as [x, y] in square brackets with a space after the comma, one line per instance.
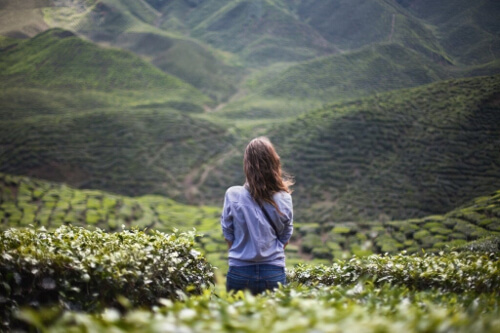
[439, 273]
[26, 201]
[452, 292]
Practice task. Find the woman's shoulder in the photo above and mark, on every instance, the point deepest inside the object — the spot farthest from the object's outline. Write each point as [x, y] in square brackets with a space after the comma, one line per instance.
[234, 193]
[282, 196]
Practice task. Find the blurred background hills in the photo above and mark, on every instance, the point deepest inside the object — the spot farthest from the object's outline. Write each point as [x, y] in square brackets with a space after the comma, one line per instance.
[383, 110]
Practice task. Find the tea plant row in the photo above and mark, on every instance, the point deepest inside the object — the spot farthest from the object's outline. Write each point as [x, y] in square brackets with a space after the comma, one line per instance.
[89, 270]
[25, 201]
[361, 307]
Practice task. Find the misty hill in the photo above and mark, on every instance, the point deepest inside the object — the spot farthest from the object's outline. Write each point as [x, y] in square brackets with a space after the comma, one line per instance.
[213, 44]
[187, 60]
[402, 154]
[131, 25]
[59, 59]
[57, 72]
[132, 151]
[468, 30]
[378, 68]
[261, 32]
[355, 24]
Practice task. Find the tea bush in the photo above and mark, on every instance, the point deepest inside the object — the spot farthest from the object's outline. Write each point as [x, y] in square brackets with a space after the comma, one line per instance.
[89, 270]
[453, 271]
[359, 307]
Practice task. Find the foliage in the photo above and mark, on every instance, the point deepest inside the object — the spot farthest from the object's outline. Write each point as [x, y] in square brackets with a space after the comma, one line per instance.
[361, 307]
[28, 202]
[452, 271]
[123, 150]
[89, 270]
[400, 154]
[58, 59]
[362, 72]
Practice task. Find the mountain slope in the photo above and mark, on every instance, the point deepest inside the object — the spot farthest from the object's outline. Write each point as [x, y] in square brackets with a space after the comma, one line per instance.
[57, 72]
[354, 24]
[122, 150]
[132, 26]
[406, 153]
[468, 30]
[259, 31]
[59, 59]
[403, 154]
[187, 59]
[372, 69]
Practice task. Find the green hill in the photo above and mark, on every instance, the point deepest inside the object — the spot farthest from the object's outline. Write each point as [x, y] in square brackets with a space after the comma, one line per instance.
[354, 24]
[467, 30]
[372, 69]
[131, 151]
[57, 59]
[131, 25]
[186, 59]
[406, 153]
[260, 32]
[57, 72]
[402, 154]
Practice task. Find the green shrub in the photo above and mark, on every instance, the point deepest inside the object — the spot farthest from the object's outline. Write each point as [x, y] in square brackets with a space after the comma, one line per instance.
[311, 241]
[422, 234]
[321, 252]
[341, 230]
[453, 271]
[88, 270]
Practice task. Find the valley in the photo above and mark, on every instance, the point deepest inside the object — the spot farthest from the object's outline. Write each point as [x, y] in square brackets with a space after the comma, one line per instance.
[123, 122]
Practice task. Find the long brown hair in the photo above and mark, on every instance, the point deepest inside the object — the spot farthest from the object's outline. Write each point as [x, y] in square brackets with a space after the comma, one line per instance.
[263, 173]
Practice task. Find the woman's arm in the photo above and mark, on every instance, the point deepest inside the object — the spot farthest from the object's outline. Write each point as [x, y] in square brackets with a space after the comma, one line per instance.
[287, 220]
[226, 221]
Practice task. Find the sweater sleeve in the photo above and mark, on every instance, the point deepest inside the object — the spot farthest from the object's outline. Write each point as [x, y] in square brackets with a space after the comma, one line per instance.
[227, 220]
[287, 219]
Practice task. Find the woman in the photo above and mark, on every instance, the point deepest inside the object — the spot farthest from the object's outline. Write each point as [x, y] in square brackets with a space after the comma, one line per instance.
[257, 221]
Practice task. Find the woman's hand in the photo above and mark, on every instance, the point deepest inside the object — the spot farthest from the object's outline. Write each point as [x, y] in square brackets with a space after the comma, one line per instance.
[229, 244]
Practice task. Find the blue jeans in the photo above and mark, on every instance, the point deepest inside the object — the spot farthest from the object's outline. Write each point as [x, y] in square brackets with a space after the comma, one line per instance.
[255, 278]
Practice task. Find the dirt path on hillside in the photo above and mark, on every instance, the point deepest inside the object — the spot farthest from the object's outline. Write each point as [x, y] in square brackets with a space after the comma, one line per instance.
[392, 26]
[201, 173]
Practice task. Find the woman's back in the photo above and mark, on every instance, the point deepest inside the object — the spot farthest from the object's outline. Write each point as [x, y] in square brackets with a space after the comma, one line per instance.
[256, 237]
[257, 221]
